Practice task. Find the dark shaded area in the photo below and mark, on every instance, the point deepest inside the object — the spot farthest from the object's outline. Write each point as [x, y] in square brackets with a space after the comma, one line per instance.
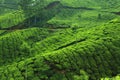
[53, 4]
[3, 33]
[117, 13]
[85, 8]
[8, 7]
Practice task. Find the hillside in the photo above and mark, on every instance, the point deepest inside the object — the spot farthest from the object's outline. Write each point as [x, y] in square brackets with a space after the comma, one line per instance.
[64, 40]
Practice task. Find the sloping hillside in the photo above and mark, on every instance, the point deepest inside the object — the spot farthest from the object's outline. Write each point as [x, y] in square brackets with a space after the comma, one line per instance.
[95, 51]
[66, 40]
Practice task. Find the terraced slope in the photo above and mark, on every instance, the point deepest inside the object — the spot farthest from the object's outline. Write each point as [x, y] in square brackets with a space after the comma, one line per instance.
[81, 14]
[16, 45]
[80, 42]
[94, 55]
[12, 18]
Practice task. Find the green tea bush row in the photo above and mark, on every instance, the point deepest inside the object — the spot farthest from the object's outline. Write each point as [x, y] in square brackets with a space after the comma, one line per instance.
[10, 19]
[17, 45]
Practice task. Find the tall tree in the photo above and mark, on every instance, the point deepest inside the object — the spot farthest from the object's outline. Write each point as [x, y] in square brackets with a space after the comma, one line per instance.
[31, 7]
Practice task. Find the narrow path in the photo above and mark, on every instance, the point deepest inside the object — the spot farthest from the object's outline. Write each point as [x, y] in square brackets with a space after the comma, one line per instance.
[69, 44]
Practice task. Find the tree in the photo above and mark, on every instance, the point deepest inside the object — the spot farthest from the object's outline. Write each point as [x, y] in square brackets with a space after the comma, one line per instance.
[31, 7]
[24, 5]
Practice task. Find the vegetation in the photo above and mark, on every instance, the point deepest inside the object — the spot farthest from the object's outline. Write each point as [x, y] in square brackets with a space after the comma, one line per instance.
[60, 40]
[11, 19]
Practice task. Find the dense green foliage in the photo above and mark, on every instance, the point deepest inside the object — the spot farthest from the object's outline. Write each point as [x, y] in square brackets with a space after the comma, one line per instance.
[87, 53]
[63, 40]
[11, 19]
